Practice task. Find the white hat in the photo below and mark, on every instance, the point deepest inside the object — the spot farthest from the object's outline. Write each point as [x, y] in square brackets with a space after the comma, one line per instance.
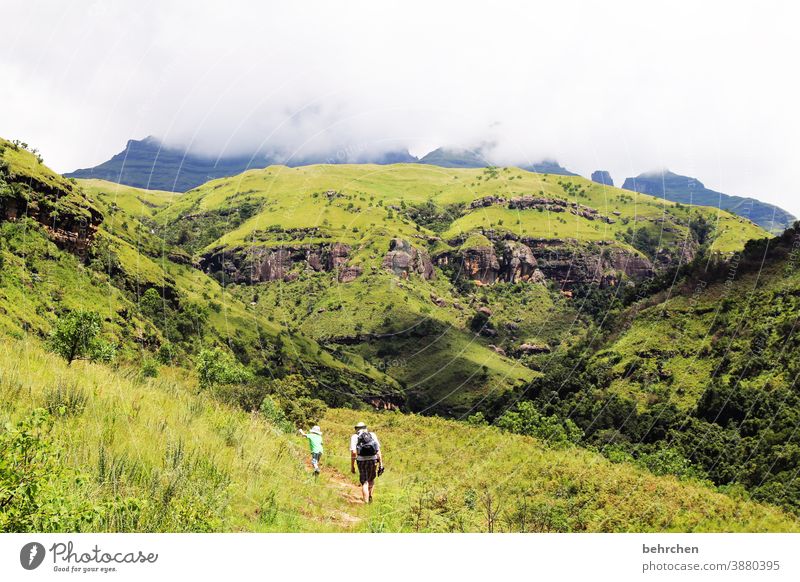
[315, 430]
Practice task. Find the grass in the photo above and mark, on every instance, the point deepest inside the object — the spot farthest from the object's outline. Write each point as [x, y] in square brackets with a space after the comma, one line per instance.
[181, 461]
[293, 198]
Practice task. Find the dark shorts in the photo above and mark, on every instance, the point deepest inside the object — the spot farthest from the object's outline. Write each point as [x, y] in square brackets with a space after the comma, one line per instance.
[367, 471]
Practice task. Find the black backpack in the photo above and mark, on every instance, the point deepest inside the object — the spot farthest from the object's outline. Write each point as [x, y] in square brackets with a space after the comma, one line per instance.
[366, 445]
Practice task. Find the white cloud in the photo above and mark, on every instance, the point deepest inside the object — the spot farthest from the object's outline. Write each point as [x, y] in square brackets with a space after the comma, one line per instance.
[705, 89]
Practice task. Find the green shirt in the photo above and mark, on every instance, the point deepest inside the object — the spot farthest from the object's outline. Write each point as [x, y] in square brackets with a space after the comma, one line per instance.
[314, 442]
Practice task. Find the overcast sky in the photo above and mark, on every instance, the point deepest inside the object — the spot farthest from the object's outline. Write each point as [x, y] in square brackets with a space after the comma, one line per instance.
[704, 89]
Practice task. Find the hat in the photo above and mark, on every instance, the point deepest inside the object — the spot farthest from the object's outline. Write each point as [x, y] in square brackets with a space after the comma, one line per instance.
[315, 430]
[361, 425]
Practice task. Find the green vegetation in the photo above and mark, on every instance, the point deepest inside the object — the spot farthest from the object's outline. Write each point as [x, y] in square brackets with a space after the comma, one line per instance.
[173, 344]
[158, 454]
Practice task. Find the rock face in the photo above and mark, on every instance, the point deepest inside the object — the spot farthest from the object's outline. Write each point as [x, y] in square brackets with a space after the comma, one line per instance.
[518, 263]
[602, 177]
[480, 264]
[566, 262]
[404, 260]
[542, 203]
[571, 264]
[256, 264]
[69, 218]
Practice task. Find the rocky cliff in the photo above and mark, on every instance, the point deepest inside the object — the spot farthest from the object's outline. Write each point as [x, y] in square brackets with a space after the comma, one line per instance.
[258, 264]
[566, 262]
[602, 177]
[26, 190]
[403, 260]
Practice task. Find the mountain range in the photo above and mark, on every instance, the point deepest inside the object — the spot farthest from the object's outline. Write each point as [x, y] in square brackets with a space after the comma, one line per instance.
[687, 190]
[551, 322]
[151, 165]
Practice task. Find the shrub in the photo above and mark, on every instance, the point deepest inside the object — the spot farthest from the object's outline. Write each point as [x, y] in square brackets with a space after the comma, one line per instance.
[149, 368]
[76, 336]
[215, 367]
[36, 492]
[526, 419]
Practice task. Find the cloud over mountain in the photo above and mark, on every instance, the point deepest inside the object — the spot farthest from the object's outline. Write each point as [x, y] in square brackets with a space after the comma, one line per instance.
[613, 85]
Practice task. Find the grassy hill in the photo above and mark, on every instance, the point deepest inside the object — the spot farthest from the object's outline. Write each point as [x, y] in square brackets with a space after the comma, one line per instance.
[419, 328]
[154, 305]
[119, 452]
[704, 369]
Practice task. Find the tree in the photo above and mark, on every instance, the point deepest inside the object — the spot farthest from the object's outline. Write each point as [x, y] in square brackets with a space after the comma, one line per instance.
[76, 336]
[526, 419]
[215, 367]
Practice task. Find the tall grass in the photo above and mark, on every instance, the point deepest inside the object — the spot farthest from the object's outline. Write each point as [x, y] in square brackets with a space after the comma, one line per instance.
[155, 454]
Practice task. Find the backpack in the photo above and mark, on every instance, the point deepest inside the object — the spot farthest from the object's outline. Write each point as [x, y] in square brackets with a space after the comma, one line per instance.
[366, 445]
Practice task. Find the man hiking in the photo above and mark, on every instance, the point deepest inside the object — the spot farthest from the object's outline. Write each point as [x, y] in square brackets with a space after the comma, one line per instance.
[314, 437]
[365, 450]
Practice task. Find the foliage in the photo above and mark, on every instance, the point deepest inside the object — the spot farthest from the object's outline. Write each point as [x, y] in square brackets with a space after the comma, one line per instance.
[215, 367]
[76, 336]
[527, 420]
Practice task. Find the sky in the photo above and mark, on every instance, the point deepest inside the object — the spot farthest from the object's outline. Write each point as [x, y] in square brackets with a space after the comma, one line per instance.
[705, 89]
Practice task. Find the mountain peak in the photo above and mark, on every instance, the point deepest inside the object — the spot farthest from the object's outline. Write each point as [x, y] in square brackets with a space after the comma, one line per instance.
[688, 190]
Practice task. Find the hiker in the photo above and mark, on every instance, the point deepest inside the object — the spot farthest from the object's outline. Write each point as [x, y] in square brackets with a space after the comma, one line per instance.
[365, 450]
[314, 437]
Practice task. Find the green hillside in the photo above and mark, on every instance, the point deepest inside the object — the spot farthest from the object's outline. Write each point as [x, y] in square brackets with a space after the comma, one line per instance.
[121, 453]
[626, 364]
[421, 328]
[704, 371]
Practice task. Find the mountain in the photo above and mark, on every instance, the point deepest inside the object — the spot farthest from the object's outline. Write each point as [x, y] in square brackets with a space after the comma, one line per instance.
[687, 190]
[602, 177]
[588, 325]
[455, 158]
[413, 260]
[548, 167]
[463, 158]
[151, 165]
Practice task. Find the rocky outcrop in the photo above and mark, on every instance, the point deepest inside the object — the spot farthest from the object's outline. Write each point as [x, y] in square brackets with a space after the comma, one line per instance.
[531, 348]
[543, 203]
[571, 264]
[602, 177]
[257, 264]
[518, 263]
[349, 274]
[69, 218]
[566, 261]
[487, 201]
[480, 264]
[403, 260]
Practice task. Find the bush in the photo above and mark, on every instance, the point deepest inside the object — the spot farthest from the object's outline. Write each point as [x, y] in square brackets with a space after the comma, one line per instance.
[76, 336]
[293, 394]
[527, 420]
[36, 492]
[149, 368]
[215, 367]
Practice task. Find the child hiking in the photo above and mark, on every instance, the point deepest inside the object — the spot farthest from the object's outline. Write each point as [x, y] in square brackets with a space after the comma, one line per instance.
[314, 437]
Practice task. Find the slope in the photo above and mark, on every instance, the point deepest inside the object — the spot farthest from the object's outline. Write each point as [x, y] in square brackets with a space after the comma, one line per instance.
[125, 453]
[65, 248]
[409, 265]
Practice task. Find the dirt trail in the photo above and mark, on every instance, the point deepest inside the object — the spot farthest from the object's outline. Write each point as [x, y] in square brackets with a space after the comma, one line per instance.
[345, 488]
